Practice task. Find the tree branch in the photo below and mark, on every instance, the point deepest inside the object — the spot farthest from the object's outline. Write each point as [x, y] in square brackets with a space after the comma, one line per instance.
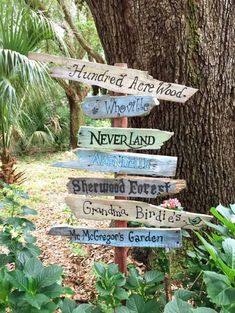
[78, 35]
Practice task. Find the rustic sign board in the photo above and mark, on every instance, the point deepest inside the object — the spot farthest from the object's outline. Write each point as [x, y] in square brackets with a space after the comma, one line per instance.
[114, 138]
[109, 209]
[122, 162]
[122, 106]
[122, 237]
[122, 80]
[127, 186]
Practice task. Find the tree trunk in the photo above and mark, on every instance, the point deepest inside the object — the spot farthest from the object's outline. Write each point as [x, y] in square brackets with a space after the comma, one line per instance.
[75, 93]
[188, 42]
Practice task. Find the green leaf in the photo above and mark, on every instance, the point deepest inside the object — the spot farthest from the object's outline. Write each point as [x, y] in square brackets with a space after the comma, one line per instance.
[133, 279]
[33, 267]
[178, 306]
[67, 306]
[53, 291]
[219, 288]
[101, 290]
[28, 211]
[113, 269]
[204, 310]
[49, 275]
[184, 294]
[135, 304]
[122, 309]
[120, 294]
[152, 277]
[83, 308]
[18, 280]
[37, 300]
[229, 249]
[99, 269]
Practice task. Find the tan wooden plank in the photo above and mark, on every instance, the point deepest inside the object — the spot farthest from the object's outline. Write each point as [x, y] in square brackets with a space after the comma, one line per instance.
[121, 237]
[114, 138]
[107, 209]
[122, 80]
[130, 186]
[121, 106]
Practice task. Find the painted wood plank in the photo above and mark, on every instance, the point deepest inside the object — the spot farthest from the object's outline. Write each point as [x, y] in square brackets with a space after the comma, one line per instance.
[109, 209]
[122, 162]
[114, 138]
[121, 237]
[130, 186]
[122, 80]
[121, 106]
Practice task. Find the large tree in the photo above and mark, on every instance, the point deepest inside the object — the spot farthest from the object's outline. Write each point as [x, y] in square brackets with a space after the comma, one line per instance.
[189, 42]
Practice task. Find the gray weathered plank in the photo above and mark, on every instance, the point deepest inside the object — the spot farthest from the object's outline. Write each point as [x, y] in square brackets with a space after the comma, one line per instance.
[114, 138]
[122, 80]
[121, 106]
[121, 237]
[109, 209]
[130, 186]
[122, 162]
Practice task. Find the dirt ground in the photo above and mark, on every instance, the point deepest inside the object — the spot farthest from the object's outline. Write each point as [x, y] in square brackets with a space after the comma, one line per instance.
[46, 186]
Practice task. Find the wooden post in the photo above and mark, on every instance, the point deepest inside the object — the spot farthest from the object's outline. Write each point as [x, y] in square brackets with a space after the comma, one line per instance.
[120, 254]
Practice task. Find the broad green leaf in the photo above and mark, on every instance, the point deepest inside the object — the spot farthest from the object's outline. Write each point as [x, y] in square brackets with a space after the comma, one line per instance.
[204, 310]
[33, 267]
[83, 308]
[229, 249]
[184, 294]
[99, 269]
[67, 306]
[178, 306]
[101, 290]
[219, 288]
[122, 309]
[112, 269]
[49, 275]
[52, 291]
[152, 277]
[152, 306]
[120, 294]
[135, 304]
[18, 280]
[36, 300]
[28, 211]
[133, 279]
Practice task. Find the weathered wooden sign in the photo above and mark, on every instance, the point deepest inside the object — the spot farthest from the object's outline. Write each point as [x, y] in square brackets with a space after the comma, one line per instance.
[114, 138]
[122, 237]
[127, 186]
[122, 106]
[114, 78]
[109, 209]
[122, 162]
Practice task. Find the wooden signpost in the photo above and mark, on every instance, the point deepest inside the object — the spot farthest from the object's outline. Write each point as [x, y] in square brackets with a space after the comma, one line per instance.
[122, 162]
[121, 106]
[121, 138]
[124, 80]
[121, 237]
[145, 88]
[142, 212]
[130, 186]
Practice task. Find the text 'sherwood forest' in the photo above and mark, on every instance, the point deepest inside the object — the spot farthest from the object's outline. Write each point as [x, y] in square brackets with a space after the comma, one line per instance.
[144, 90]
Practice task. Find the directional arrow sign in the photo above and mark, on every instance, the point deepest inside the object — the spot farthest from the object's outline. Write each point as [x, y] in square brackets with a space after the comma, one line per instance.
[131, 186]
[122, 106]
[121, 237]
[114, 78]
[109, 209]
[122, 162]
[114, 138]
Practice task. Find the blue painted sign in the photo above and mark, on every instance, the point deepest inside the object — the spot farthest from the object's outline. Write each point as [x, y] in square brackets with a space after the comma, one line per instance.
[122, 237]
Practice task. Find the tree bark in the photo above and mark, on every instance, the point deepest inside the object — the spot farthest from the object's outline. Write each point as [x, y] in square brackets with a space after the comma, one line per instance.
[188, 42]
[75, 94]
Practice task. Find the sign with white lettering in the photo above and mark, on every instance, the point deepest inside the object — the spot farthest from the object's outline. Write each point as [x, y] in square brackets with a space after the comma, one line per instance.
[121, 237]
[122, 162]
[117, 79]
[122, 106]
[121, 138]
[109, 209]
[131, 186]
